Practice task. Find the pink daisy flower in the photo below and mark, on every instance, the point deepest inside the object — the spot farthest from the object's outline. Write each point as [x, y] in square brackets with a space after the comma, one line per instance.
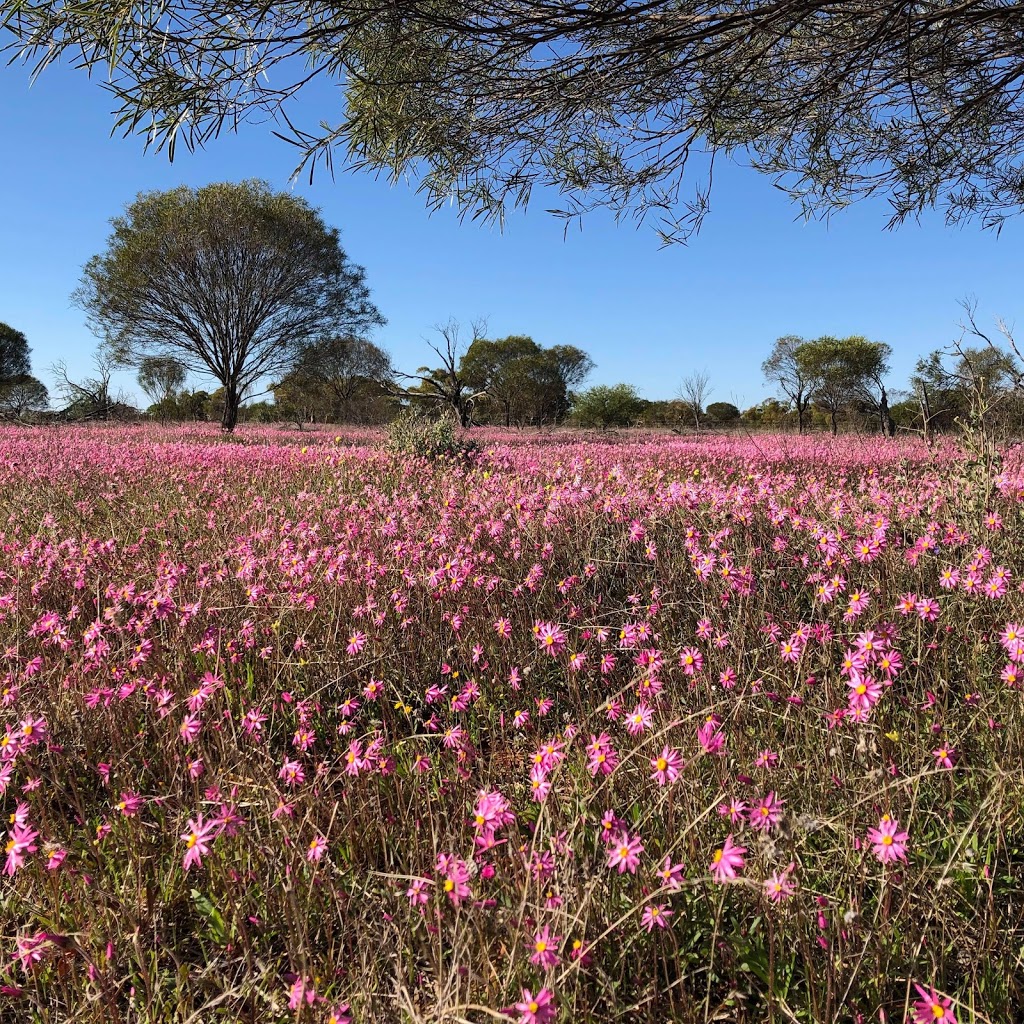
[624, 853]
[932, 1008]
[727, 861]
[888, 843]
[667, 766]
[655, 915]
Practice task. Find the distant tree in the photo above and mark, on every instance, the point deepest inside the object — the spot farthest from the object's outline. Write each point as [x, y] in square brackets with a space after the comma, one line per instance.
[573, 364]
[695, 390]
[22, 395]
[523, 381]
[90, 398]
[951, 385]
[20, 392]
[14, 353]
[498, 370]
[663, 413]
[770, 413]
[229, 278]
[161, 377]
[722, 412]
[605, 406]
[868, 363]
[835, 378]
[784, 369]
[334, 374]
[447, 386]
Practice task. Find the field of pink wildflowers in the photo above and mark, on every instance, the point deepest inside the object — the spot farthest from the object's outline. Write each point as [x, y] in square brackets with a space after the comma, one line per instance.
[297, 730]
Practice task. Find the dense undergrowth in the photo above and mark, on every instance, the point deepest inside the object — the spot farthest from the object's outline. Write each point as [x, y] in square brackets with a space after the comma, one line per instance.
[301, 730]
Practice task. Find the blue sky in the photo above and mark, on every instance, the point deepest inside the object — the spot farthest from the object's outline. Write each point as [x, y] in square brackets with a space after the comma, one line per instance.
[646, 315]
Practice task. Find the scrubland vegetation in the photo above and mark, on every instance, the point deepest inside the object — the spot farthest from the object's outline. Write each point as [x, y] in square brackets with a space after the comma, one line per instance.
[558, 730]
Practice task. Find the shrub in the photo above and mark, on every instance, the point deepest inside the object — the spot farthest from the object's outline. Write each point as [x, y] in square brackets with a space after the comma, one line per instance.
[414, 433]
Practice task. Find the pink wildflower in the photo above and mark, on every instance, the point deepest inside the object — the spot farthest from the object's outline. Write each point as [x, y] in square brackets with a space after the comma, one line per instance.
[199, 836]
[624, 853]
[932, 1008]
[888, 843]
[727, 861]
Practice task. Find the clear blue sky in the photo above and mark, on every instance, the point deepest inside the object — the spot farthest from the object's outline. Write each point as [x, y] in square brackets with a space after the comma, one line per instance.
[646, 315]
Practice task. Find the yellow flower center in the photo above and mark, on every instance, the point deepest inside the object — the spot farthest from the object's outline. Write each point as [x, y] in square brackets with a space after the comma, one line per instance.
[449, 885]
[887, 840]
[540, 946]
[718, 856]
[662, 764]
[192, 840]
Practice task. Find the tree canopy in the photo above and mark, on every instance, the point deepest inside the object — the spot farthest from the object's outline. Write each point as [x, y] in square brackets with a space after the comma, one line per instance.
[616, 405]
[20, 392]
[230, 279]
[340, 378]
[612, 102]
[14, 353]
[524, 382]
[842, 371]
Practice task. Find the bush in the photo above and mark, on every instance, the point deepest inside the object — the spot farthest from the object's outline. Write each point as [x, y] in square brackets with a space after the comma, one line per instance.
[414, 433]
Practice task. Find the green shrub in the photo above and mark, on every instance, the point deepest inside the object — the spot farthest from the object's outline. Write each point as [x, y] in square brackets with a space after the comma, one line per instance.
[414, 433]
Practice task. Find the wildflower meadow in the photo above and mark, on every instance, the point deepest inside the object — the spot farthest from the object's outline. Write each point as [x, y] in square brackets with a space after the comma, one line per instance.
[298, 729]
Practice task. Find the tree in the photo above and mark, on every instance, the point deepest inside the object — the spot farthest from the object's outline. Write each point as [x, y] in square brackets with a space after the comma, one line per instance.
[832, 378]
[161, 377]
[90, 398]
[498, 369]
[868, 363]
[527, 383]
[784, 369]
[694, 391]
[14, 354]
[447, 385]
[723, 412]
[230, 278]
[973, 385]
[606, 406]
[21, 395]
[604, 101]
[20, 392]
[333, 374]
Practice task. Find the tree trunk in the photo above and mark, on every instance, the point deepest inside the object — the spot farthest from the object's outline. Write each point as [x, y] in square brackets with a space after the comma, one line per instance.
[801, 408]
[835, 426]
[231, 402]
[888, 427]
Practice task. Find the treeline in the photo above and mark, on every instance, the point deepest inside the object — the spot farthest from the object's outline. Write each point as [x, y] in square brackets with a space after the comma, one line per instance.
[279, 317]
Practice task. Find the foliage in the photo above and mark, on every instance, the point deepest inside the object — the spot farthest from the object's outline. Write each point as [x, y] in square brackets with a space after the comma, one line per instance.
[161, 377]
[339, 379]
[604, 406]
[724, 413]
[525, 383]
[840, 372]
[21, 396]
[229, 279]
[429, 437]
[607, 103]
[296, 731]
[14, 354]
